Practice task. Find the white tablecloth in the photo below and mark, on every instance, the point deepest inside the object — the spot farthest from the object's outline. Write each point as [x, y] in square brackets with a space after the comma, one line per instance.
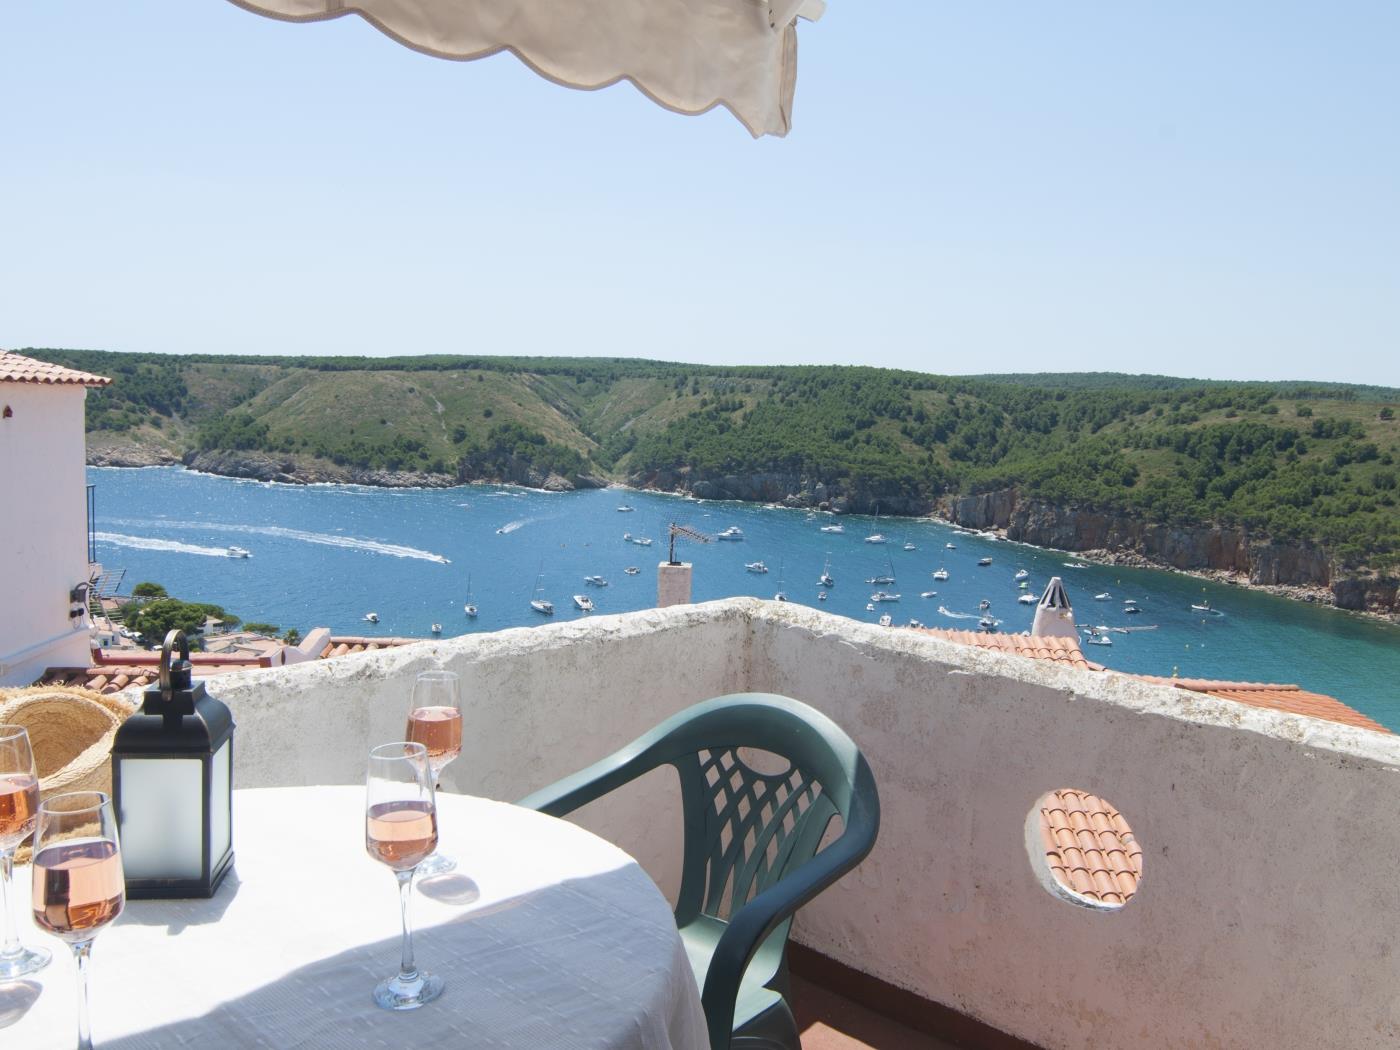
[547, 937]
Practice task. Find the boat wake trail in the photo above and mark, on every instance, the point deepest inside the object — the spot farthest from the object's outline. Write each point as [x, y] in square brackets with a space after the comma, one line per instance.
[148, 543]
[393, 550]
[942, 611]
[511, 526]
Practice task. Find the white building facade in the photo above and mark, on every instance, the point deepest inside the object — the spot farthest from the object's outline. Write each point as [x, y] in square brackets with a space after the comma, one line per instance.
[43, 518]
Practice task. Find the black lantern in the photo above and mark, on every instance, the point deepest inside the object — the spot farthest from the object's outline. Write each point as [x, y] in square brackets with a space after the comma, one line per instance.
[172, 779]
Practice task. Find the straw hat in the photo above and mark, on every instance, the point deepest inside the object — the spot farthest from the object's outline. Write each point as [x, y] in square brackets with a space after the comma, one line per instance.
[70, 731]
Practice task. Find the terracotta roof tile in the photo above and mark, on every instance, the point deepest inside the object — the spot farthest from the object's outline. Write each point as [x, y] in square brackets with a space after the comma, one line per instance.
[16, 368]
[1059, 650]
[339, 645]
[1105, 863]
[1290, 699]
[113, 678]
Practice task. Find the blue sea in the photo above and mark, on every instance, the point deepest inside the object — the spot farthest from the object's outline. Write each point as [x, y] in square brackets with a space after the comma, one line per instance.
[325, 555]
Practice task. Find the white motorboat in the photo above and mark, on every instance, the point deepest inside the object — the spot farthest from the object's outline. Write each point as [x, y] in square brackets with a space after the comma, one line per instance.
[835, 530]
[869, 606]
[437, 628]
[928, 594]
[623, 508]
[755, 566]
[780, 596]
[1104, 597]
[1021, 574]
[821, 596]
[372, 617]
[1095, 638]
[1027, 599]
[886, 620]
[595, 581]
[950, 546]
[731, 533]
[236, 552]
[916, 623]
[909, 546]
[1131, 610]
[470, 610]
[640, 541]
[1074, 565]
[940, 574]
[987, 624]
[984, 605]
[1024, 585]
[583, 602]
[984, 562]
[1206, 607]
[631, 570]
[884, 596]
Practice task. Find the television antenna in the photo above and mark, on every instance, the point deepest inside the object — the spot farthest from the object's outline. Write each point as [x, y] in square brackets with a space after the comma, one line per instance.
[688, 533]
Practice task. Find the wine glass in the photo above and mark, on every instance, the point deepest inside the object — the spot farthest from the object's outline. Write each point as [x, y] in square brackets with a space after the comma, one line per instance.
[19, 812]
[401, 831]
[78, 883]
[435, 721]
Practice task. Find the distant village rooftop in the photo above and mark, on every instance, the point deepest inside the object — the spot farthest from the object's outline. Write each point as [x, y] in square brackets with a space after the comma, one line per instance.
[16, 368]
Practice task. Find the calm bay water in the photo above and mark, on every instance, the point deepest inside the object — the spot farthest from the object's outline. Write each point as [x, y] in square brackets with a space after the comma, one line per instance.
[326, 555]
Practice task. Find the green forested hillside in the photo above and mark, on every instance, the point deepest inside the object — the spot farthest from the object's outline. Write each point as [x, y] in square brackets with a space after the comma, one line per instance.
[1297, 461]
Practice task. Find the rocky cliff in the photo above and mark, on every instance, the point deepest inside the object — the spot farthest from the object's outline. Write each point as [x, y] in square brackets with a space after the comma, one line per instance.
[1228, 550]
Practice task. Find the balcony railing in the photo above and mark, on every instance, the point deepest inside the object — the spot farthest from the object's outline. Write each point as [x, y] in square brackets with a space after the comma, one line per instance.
[1267, 913]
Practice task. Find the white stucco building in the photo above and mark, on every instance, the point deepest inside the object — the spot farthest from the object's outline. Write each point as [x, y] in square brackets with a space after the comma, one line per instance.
[43, 516]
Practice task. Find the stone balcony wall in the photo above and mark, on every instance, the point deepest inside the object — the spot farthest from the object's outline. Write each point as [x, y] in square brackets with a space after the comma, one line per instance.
[1269, 908]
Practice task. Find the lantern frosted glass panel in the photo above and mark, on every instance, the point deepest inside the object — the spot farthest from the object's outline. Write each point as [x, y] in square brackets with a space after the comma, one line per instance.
[162, 818]
[219, 803]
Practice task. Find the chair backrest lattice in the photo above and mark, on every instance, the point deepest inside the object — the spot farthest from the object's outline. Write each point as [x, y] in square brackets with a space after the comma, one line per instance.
[756, 826]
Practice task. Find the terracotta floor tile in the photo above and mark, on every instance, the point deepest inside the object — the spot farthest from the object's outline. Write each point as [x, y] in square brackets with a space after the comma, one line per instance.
[829, 1021]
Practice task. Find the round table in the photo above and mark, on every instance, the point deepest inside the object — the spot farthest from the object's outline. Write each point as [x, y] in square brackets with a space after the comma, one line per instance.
[547, 936]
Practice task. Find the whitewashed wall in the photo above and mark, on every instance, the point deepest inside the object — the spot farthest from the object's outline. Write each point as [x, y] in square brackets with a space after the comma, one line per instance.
[1269, 910]
[43, 529]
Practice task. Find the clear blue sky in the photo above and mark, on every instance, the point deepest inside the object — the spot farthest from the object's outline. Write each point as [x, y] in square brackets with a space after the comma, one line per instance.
[1197, 188]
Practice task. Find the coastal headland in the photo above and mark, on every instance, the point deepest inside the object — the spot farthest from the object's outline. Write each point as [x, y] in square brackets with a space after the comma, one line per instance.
[1287, 486]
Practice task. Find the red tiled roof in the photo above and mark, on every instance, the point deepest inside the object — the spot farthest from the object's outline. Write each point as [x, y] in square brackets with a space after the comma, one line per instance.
[1291, 699]
[1058, 650]
[16, 368]
[339, 645]
[113, 678]
[1089, 847]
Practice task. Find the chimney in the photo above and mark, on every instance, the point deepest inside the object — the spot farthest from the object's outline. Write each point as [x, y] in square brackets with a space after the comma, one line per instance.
[672, 583]
[1053, 616]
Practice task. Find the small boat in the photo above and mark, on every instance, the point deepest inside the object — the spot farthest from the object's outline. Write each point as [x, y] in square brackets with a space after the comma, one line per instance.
[640, 541]
[821, 596]
[1075, 565]
[781, 595]
[583, 602]
[372, 617]
[836, 530]
[236, 552]
[623, 508]
[909, 546]
[984, 605]
[1027, 599]
[940, 574]
[595, 581]
[916, 623]
[755, 566]
[869, 606]
[541, 605]
[1104, 597]
[437, 628]
[1095, 638]
[826, 579]
[886, 620]
[884, 596]
[880, 580]
[1021, 574]
[470, 607]
[950, 546]
[928, 594]
[1131, 610]
[631, 570]
[1024, 585]
[984, 562]
[877, 536]
[731, 533]
[1206, 607]
[987, 624]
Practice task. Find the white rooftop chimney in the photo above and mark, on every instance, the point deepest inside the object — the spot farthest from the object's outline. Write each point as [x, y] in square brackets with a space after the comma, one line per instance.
[1053, 616]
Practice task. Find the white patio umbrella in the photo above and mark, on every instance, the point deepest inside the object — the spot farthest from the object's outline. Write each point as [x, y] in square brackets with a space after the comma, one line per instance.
[687, 55]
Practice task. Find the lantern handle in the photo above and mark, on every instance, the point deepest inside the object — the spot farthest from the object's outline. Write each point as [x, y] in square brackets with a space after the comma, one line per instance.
[173, 637]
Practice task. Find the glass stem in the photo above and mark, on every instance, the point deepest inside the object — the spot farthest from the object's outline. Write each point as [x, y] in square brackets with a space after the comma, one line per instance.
[407, 970]
[81, 952]
[7, 877]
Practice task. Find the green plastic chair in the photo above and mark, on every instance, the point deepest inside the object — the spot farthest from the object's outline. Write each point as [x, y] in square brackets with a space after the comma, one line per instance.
[751, 841]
